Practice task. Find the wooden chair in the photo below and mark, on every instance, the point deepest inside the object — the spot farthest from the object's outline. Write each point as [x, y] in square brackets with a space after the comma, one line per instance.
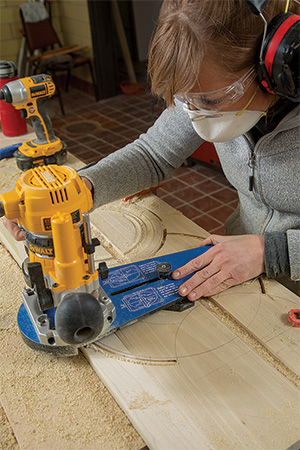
[47, 53]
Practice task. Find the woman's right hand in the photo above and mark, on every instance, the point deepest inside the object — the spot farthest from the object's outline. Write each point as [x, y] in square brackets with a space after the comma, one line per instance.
[14, 229]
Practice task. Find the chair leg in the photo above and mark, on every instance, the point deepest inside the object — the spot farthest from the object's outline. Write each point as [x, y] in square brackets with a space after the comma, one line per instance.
[60, 100]
[68, 80]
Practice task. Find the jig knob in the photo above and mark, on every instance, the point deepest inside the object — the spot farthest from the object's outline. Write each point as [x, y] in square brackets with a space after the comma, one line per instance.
[164, 270]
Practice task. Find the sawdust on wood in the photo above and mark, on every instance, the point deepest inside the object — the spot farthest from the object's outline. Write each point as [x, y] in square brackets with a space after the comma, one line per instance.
[51, 403]
[7, 437]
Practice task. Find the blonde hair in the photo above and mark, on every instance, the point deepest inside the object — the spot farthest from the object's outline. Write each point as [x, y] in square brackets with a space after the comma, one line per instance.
[223, 31]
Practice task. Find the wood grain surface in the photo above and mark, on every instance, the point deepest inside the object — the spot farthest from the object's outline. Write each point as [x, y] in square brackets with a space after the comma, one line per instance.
[221, 375]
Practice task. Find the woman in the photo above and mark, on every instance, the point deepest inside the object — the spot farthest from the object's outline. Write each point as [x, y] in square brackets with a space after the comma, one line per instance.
[200, 48]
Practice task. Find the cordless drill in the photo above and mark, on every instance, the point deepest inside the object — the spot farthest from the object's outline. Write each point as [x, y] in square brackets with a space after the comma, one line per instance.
[30, 95]
[64, 306]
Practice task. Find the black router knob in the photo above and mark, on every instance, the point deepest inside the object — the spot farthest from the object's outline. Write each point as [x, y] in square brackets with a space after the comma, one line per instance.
[79, 318]
[164, 270]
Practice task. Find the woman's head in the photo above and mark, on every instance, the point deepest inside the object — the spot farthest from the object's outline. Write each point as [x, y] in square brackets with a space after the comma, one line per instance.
[223, 32]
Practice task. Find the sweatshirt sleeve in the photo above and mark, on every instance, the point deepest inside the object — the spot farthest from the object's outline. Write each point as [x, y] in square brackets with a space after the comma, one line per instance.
[282, 254]
[147, 161]
[276, 255]
[293, 240]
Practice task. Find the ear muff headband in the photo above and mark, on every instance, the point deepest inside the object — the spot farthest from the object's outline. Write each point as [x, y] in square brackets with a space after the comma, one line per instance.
[278, 64]
[278, 58]
[276, 41]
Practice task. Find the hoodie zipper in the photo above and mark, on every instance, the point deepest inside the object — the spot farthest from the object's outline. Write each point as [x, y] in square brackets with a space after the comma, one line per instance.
[252, 155]
[251, 164]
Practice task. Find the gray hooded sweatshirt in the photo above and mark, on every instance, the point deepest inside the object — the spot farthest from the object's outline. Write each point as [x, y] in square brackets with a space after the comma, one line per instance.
[272, 165]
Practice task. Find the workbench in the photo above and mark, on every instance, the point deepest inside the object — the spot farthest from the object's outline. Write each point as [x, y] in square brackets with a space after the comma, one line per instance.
[222, 375]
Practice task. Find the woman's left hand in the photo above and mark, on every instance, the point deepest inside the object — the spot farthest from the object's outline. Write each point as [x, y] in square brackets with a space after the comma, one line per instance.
[231, 260]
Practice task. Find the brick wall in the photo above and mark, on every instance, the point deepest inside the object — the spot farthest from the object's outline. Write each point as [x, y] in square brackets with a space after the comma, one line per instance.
[75, 23]
[10, 30]
[71, 22]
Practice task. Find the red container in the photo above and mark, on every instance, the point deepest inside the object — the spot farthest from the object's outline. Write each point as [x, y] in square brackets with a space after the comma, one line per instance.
[12, 123]
[207, 153]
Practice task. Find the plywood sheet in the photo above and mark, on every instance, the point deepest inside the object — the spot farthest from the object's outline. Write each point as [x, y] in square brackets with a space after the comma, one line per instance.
[205, 378]
[265, 315]
[194, 373]
[187, 381]
[142, 228]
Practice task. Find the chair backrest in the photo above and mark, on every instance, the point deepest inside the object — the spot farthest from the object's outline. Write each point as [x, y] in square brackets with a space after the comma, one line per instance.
[39, 34]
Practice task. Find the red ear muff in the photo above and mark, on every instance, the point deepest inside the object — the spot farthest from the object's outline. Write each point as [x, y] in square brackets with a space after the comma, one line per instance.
[278, 70]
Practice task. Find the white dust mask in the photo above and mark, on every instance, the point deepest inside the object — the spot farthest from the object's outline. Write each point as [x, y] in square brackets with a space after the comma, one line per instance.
[223, 126]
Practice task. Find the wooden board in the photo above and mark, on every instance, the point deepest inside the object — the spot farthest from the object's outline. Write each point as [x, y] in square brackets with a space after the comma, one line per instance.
[195, 385]
[222, 375]
[265, 316]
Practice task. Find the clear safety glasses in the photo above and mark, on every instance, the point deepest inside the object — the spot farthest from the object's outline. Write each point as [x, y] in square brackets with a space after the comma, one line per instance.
[220, 99]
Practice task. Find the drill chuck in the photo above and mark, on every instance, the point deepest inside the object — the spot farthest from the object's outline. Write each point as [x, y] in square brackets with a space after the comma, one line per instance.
[14, 92]
[6, 94]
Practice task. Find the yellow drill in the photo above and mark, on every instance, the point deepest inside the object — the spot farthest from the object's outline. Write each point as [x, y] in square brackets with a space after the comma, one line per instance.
[64, 306]
[30, 95]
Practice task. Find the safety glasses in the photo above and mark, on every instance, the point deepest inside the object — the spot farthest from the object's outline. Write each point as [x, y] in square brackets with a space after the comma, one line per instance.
[220, 99]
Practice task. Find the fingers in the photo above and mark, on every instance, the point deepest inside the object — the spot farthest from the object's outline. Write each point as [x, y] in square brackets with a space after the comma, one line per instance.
[13, 228]
[208, 241]
[201, 261]
[230, 261]
[88, 183]
[204, 284]
[193, 265]
[213, 239]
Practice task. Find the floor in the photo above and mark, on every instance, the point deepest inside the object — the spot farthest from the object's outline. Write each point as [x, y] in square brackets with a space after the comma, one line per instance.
[93, 130]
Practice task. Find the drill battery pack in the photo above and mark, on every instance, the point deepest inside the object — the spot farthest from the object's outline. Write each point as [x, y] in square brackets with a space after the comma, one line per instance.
[27, 162]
